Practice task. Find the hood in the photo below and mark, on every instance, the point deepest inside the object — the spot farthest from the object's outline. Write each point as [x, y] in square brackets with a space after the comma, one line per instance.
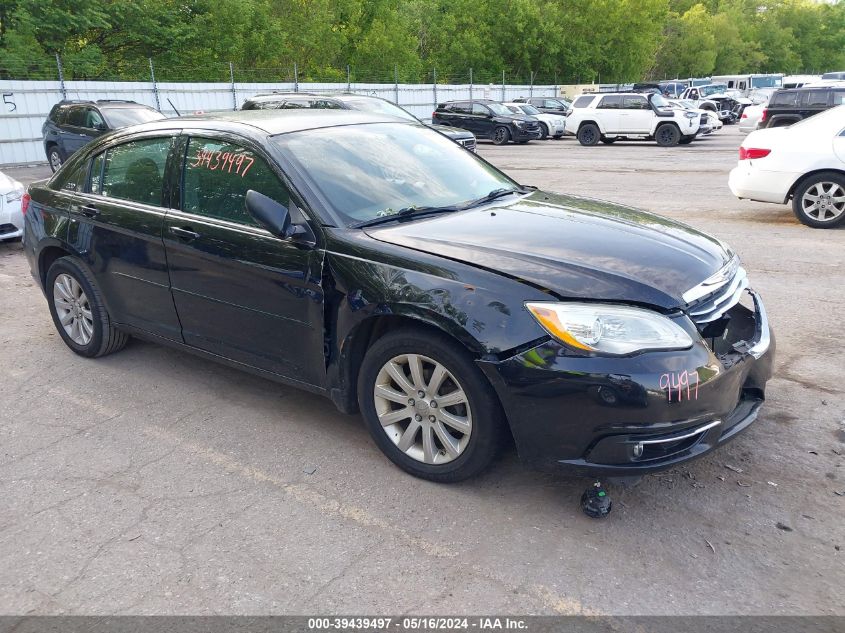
[8, 184]
[452, 132]
[577, 248]
[516, 117]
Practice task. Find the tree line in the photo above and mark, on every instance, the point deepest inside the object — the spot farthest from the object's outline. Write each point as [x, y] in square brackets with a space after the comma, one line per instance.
[549, 41]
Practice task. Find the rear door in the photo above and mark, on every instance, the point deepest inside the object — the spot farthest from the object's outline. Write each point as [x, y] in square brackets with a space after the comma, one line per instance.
[74, 132]
[608, 111]
[241, 292]
[116, 223]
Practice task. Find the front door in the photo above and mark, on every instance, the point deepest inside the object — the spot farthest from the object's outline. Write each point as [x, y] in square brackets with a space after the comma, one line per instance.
[636, 115]
[241, 292]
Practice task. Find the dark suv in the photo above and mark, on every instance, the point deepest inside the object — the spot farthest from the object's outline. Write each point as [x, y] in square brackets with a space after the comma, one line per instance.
[71, 124]
[365, 103]
[549, 105]
[488, 119]
[790, 106]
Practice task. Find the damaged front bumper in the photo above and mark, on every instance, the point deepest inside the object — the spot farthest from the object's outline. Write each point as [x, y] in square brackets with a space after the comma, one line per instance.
[626, 416]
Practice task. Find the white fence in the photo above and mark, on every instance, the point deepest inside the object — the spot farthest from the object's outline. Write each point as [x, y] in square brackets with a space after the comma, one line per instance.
[26, 103]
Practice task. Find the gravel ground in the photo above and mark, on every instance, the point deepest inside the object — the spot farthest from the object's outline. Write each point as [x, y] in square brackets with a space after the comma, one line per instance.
[151, 481]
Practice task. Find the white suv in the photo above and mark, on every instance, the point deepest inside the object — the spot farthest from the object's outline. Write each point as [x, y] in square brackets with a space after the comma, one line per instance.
[608, 117]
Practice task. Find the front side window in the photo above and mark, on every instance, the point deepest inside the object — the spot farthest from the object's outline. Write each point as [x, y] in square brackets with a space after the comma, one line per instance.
[817, 98]
[378, 169]
[93, 120]
[76, 116]
[479, 109]
[217, 175]
[135, 171]
[635, 103]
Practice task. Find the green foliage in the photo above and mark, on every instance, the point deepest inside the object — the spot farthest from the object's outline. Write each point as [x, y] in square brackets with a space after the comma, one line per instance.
[549, 40]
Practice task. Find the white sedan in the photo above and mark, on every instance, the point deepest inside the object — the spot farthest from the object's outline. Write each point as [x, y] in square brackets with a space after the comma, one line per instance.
[751, 116]
[804, 162]
[550, 124]
[11, 217]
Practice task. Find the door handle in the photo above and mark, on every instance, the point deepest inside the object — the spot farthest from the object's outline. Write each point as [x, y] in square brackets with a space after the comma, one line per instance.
[88, 210]
[184, 233]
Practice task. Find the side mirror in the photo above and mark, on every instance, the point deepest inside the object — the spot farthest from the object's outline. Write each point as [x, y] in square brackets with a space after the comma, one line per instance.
[268, 213]
[100, 127]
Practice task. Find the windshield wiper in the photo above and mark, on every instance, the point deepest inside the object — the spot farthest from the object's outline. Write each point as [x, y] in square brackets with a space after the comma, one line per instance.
[404, 213]
[496, 193]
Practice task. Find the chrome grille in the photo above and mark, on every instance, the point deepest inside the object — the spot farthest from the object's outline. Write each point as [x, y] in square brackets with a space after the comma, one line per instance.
[713, 297]
[468, 143]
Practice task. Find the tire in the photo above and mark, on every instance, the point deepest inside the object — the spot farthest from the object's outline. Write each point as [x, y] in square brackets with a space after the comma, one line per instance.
[814, 201]
[667, 135]
[686, 139]
[588, 134]
[95, 335]
[608, 141]
[544, 131]
[471, 450]
[55, 157]
[501, 135]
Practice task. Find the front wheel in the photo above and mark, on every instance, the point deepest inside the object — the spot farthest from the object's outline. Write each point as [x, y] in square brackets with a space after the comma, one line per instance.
[819, 201]
[667, 135]
[501, 135]
[428, 407]
[55, 158]
[544, 131]
[78, 311]
[589, 134]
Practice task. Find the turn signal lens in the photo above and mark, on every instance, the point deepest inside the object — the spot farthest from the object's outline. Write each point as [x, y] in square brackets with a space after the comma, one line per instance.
[609, 329]
[764, 115]
[750, 153]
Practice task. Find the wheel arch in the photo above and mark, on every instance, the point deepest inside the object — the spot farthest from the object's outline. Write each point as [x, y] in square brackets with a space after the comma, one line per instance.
[799, 181]
[46, 257]
[361, 337]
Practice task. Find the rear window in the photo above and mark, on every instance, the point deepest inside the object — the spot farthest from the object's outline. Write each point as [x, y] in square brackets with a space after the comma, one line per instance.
[583, 102]
[784, 99]
[123, 117]
[613, 102]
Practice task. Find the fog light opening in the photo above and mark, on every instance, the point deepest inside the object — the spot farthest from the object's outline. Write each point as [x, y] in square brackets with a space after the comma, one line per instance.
[638, 449]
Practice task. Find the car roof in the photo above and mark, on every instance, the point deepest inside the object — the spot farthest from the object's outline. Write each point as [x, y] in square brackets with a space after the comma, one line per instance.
[269, 122]
[118, 103]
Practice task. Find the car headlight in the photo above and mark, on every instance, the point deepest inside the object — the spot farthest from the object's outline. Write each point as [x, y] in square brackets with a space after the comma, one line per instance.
[13, 195]
[690, 115]
[518, 123]
[609, 329]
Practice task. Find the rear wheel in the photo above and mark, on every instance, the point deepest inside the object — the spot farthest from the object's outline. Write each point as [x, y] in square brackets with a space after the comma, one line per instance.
[428, 407]
[78, 311]
[55, 157]
[589, 134]
[667, 135]
[819, 201]
[501, 135]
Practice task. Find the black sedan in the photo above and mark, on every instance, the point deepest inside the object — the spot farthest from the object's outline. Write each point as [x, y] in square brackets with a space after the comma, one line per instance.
[377, 263]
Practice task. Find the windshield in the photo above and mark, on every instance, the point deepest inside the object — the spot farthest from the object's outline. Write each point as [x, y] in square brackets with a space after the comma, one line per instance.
[528, 109]
[712, 89]
[380, 106]
[374, 170]
[659, 102]
[123, 117]
[766, 82]
[498, 108]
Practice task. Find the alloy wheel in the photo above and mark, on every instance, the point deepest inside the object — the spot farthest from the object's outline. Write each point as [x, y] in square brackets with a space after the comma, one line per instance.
[824, 201]
[423, 409]
[500, 135]
[55, 160]
[73, 309]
